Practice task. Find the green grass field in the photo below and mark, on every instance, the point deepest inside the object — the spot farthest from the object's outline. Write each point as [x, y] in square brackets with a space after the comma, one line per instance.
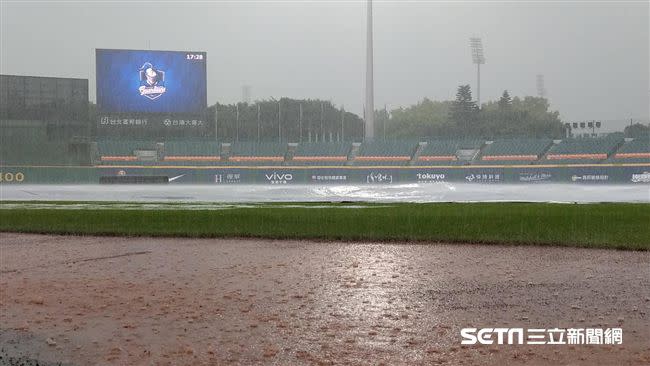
[620, 226]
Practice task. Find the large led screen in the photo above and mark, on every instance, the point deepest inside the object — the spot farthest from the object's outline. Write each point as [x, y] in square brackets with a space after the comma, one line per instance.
[151, 81]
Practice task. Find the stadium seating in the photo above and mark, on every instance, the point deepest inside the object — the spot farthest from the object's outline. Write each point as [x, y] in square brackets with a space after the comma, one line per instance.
[524, 151]
[504, 162]
[445, 152]
[385, 153]
[584, 150]
[327, 153]
[132, 163]
[254, 153]
[122, 150]
[23, 143]
[637, 149]
[45, 153]
[201, 152]
[515, 150]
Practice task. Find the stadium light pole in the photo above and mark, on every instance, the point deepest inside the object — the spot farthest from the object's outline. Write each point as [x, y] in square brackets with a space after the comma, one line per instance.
[258, 122]
[237, 122]
[300, 123]
[383, 124]
[370, 97]
[321, 123]
[342, 123]
[478, 57]
[279, 121]
[541, 89]
[363, 125]
[246, 94]
[216, 122]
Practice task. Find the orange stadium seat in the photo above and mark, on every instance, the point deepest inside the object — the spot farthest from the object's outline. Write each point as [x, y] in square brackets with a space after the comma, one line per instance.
[192, 158]
[438, 158]
[119, 158]
[509, 157]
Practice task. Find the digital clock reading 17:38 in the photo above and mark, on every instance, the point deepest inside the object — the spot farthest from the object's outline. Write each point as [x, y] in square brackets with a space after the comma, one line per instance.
[194, 56]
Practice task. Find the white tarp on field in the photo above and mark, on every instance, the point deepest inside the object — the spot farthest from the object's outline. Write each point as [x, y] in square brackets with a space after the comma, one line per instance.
[437, 192]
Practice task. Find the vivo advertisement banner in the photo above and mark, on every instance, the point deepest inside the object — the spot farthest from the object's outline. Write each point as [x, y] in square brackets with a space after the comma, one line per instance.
[151, 81]
[278, 177]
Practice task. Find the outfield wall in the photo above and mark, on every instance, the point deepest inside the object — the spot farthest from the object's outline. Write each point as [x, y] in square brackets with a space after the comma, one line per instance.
[494, 174]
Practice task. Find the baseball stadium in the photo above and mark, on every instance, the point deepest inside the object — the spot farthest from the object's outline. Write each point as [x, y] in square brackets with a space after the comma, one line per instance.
[143, 222]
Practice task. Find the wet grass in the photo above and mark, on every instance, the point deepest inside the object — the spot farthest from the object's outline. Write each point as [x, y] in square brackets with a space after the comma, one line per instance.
[603, 225]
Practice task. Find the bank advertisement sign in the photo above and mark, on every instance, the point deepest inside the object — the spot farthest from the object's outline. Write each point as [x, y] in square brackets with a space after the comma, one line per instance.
[483, 177]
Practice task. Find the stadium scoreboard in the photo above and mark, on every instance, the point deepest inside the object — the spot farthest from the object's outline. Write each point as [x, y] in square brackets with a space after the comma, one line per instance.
[151, 93]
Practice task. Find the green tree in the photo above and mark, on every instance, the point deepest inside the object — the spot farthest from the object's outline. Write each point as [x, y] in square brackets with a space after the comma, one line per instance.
[527, 117]
[507, 117]
[637, 130]
[282, 119]
[464, 111]
[505, 102]
[425, 119]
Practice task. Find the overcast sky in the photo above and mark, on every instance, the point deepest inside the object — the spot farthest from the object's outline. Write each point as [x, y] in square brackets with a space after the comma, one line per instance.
[594, 55]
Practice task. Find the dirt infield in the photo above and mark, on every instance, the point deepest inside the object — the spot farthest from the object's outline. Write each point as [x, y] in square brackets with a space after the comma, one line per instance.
[142, 301]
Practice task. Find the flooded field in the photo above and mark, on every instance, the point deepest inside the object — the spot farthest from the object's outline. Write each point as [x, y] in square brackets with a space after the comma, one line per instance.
[142, 301]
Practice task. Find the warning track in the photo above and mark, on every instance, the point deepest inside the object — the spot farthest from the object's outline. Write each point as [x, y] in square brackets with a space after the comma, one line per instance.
[105, 300]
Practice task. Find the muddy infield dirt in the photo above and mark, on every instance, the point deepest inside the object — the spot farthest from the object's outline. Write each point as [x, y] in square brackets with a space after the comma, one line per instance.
[150, 301]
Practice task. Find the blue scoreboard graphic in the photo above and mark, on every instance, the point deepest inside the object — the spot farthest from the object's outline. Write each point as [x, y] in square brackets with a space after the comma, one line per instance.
[151, 81]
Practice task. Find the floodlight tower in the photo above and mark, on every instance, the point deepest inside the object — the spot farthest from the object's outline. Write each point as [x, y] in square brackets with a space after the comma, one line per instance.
[246, 94]
[478, 58]
[541, 89]
[370, 97]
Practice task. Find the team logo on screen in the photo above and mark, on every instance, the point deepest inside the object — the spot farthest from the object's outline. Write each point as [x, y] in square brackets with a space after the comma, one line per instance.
[152, 81]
